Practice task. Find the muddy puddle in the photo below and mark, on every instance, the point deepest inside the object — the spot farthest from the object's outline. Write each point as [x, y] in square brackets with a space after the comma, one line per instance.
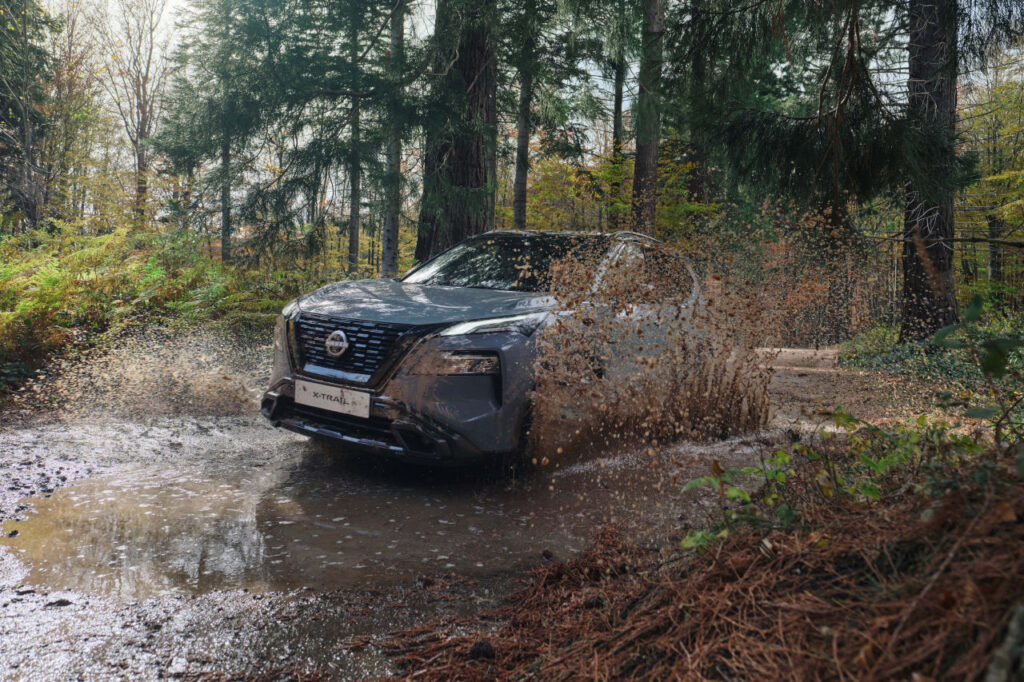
[307, 516]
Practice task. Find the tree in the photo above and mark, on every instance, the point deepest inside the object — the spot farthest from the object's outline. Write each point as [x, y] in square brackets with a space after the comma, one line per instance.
[992, 115]
[355, 169]
[72, 109]
[526, 67]
[25, 65]
[212, 101]
[132, 35]
[945, 37]
[648, 117]
[810, 108]
[929, 293]
[547, 49]
[459, 156]
[615, 29]
[396, 116]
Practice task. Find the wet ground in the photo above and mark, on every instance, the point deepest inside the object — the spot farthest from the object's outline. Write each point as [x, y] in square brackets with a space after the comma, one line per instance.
[171, 546]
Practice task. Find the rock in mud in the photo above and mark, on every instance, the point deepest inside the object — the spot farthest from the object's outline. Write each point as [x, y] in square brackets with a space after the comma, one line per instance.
[482, 649]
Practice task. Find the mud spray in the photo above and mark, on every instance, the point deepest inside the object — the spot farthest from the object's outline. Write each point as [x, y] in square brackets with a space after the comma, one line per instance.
[655, 352]
[154, 373]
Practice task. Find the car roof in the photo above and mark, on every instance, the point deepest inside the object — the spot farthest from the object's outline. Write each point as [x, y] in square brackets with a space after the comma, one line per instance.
[620, 235]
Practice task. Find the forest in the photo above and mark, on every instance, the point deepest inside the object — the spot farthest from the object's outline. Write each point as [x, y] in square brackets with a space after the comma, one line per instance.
[294, 142]
[814, 471]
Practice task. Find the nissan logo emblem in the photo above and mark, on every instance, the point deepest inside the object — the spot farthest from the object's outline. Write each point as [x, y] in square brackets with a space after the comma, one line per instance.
[336, 344]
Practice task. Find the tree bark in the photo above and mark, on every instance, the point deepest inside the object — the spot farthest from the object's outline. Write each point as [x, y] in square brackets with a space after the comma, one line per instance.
[460, 156]
[393, 172]
[522, 151]
[527, 56]
[996, 230]
[648, 118]
[619, 69]
[929, 294]
[225, 200]
[835, 246]
[141, 184]
[355, 198]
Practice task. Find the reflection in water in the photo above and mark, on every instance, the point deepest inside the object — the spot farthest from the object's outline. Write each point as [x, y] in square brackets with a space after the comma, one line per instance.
[319, 523]
[147, 534]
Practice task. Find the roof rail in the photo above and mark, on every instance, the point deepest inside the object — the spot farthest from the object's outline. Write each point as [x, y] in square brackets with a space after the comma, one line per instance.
[620, 234]
[634, 235]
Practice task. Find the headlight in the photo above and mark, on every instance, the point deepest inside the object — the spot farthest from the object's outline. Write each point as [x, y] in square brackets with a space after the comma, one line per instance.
[290, 310]
[524, 324]
[465, 362]
[288, 336]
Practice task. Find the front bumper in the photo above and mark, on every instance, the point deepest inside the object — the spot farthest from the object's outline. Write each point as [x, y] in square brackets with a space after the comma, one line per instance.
[437, 419]
[391, 430]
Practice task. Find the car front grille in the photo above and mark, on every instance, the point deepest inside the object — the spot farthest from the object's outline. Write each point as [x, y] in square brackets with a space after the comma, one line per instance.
[370, 346]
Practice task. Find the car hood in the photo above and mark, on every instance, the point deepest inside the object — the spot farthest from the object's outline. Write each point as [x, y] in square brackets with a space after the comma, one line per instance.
[389, 300]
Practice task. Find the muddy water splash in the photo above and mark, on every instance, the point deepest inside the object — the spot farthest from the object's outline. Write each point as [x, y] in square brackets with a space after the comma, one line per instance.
[307, 518]
[653, 354]
[156, 373]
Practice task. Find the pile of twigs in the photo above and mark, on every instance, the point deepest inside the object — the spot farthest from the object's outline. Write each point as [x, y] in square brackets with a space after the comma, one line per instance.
[873, 593]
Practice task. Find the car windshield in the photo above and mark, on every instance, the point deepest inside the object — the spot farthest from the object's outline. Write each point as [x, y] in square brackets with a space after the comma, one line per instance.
[513, 262]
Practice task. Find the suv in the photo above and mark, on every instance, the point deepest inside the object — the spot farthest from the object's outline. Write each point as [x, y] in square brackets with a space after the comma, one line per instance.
[437, 366]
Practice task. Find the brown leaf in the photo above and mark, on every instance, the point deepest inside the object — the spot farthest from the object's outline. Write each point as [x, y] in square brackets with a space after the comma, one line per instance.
[1004, 513]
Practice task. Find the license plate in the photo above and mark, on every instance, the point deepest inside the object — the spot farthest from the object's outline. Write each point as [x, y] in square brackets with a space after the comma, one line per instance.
[333, 398]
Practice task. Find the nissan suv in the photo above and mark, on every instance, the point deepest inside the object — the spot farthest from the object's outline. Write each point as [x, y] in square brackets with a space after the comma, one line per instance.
[434, 367]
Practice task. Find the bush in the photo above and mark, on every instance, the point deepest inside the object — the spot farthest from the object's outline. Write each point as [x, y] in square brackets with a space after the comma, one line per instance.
[60, 289]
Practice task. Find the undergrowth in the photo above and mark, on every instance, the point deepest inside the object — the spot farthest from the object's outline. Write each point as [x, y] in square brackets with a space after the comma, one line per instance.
[871, 554]
[61, 290]
[877, 349]
[861, 553]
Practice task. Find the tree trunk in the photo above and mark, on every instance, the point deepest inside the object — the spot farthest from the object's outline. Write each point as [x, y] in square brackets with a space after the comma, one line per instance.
[460, 155]
[225, 200]
[996, 230]
[648, 118]
[835, 246]
[929, 295]
[354, 172]
[619, 69]
[141, 184]
[526, 72]
[393, 172]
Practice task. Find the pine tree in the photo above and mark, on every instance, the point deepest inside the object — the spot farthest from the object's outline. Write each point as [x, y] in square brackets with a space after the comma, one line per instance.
[212, 103]
[460, 151]
[809, 109]
[25, 65]
[395, 132]
[648, 117]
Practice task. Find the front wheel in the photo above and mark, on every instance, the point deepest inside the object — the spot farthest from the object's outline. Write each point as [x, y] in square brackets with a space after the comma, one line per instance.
[517, 462]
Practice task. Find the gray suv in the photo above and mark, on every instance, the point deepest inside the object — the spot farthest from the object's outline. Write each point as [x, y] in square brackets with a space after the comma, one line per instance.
[435, 367]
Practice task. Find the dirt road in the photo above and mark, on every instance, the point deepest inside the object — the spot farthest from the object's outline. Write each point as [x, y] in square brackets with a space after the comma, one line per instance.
[175, 546]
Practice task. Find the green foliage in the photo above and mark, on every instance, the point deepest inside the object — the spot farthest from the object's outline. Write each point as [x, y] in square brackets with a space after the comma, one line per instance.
[60, 289]
[999, 356]
[979, 362]
[794, 487]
